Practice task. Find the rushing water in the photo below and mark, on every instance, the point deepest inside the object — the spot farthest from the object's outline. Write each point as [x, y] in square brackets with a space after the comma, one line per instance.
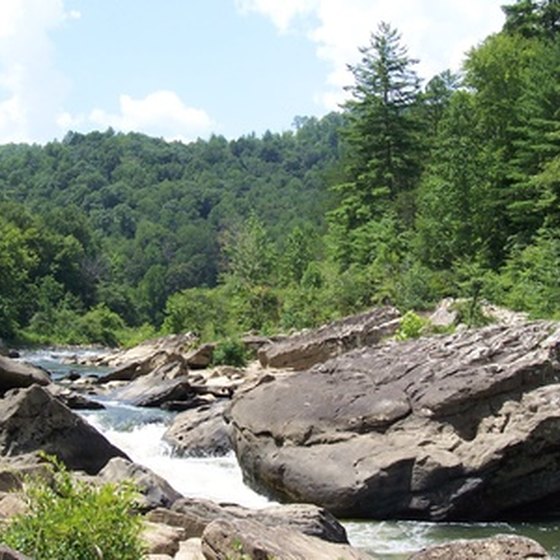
[138, 433]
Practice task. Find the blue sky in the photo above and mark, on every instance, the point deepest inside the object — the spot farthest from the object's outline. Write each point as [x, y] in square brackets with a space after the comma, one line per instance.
[183, 69]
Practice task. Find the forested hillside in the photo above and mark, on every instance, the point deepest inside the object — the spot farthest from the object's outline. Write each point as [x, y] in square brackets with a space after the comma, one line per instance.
[415, 191]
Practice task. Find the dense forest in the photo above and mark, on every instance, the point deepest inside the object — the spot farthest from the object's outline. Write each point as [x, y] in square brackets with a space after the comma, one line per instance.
[413, 192]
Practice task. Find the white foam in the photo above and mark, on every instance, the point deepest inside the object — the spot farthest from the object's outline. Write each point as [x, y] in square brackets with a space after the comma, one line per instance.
[214, 478]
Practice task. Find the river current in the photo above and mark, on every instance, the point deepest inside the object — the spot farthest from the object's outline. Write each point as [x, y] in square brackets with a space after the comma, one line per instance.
[138, 432]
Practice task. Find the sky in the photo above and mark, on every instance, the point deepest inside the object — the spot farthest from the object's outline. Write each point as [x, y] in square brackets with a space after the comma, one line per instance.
[186, 69]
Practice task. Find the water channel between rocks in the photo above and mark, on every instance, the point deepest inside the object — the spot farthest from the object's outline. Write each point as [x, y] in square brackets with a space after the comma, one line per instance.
[138, 432]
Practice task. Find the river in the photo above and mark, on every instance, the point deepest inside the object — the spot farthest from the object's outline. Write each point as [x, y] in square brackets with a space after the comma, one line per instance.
[138, 432]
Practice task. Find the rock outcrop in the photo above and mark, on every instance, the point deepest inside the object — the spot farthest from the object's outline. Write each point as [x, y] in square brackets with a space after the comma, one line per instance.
[15, 375]
[303, 350]
[32, 420]
[460, 427]
[500, 547]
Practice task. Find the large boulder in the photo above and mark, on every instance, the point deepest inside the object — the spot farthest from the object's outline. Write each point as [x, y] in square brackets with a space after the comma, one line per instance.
[303, 350]
[460, 427]
[200, 431]
[33, 420]
[15, 374]
[244, 538]
[500, 547]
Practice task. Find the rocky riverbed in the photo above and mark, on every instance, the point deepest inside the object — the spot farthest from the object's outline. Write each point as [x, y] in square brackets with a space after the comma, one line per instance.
[436, 428]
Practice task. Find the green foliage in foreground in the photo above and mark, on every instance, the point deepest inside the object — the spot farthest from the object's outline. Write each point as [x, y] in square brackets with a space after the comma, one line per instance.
[74, 520]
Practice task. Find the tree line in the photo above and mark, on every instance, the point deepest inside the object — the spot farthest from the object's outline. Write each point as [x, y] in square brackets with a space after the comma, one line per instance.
[413, 192]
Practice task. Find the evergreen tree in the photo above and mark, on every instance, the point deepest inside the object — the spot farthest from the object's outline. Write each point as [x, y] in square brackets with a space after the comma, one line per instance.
[383, 141]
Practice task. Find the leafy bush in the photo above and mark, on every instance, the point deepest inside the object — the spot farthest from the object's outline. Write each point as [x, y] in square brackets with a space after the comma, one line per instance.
[231, 352]
[412, 326]
[74, 520]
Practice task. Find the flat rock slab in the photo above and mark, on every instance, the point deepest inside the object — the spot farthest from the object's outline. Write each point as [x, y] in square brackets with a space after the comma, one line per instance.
[243, 538]
[303, 350]
[459, 427]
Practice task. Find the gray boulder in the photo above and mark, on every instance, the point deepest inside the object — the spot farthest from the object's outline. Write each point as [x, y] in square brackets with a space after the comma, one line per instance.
[461, 427]
[200, 431]
[33, 420]
[167, 383]
[15, 374]
[155, 491]
[500, 547]
[246, 538]
[73, 400]
[160, 360]
[303, 350]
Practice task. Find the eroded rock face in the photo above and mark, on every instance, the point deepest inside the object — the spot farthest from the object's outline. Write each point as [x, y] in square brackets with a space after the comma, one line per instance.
[303, 350]
[32, 420]
[461, 427]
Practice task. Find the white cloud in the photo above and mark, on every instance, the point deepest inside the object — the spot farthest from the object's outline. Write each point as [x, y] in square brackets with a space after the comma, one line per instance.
[161, 113]
[282, 13]
[31, 89]
[436, 31]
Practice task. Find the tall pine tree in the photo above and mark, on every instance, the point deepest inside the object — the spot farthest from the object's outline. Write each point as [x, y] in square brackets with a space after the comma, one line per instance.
[384, 148]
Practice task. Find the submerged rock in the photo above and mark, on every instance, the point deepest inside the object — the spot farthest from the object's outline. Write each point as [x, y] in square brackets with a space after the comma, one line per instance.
[461, 427]
[500, 547]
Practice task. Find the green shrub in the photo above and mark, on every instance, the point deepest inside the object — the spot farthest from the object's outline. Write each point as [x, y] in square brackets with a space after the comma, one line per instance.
[231, 352]
[412, 326]
[74, 520]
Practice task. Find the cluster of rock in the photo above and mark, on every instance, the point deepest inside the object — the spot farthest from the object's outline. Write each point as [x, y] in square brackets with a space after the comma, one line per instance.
[462, 426]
